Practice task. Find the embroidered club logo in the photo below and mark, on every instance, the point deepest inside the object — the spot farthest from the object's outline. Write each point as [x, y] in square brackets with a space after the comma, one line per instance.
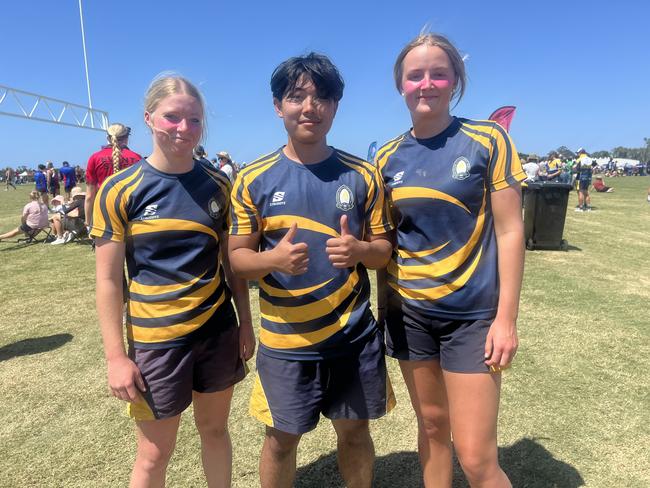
[214, 209]
[460, 171]
[344, 198]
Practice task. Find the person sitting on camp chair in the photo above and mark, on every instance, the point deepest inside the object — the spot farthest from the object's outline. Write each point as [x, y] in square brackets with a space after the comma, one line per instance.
[33, 220]
[68, 222]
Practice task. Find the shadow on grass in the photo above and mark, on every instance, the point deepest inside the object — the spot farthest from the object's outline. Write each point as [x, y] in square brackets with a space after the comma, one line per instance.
[34, 345]
[527, 464]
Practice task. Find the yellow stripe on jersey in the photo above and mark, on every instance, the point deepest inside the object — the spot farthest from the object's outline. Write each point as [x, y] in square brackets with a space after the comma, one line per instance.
[285, 222]
[482, 140]
[311, 311]
[441, 291]
[186, 303]
[152, 290]
[406, 192]
[105, 200]
[166, 225]
[244, 178]
[363, 168]
[282, 293]
[446, 265]
[387, 150]
[406, 254]
[151, 335]
[292, 341]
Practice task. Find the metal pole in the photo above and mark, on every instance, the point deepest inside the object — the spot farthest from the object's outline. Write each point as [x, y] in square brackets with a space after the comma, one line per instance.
[83, 42]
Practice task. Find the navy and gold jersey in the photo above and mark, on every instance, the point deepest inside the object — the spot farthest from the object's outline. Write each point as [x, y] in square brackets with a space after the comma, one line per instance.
[445, 264]
[324, 311]
[170, 224]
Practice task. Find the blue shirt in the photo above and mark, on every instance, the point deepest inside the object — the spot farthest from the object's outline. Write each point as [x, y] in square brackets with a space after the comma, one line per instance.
[68, 175]
[325, 311]
[40, 180]
[445, 264]
[170, 224]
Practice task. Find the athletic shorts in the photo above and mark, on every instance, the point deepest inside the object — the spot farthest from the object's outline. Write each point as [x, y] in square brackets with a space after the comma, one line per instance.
[584, 185]
[290, 395]
[459, 345]
[208, 365]
[26, 228]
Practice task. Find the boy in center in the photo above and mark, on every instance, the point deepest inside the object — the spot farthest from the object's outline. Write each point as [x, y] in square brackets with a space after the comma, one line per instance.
[307, 221]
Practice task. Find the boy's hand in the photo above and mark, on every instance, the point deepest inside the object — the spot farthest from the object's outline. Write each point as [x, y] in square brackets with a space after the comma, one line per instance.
[345, 251]
[290, 258]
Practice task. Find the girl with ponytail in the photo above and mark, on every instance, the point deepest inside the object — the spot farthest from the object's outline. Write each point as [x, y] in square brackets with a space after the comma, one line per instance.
[109, 160]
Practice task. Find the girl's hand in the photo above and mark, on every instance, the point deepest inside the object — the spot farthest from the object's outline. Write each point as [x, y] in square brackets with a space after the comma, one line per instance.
[125, 379]
[246, 341]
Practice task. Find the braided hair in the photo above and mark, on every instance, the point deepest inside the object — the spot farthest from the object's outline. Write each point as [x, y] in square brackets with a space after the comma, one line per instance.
[116, 134]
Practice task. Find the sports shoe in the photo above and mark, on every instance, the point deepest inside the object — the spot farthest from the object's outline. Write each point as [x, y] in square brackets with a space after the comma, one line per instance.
[57, 241]
[71, 235]
[578, 209]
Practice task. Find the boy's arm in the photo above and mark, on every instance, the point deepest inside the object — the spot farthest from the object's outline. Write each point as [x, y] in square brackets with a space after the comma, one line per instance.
[346, 251]
[247, 261]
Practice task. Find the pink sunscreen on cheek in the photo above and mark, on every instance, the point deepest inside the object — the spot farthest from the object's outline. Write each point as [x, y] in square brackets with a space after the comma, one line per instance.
[410, 87]
[441, 84]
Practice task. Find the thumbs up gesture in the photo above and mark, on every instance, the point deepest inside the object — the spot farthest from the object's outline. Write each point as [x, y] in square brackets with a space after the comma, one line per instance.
[344, 251]
[291, 258]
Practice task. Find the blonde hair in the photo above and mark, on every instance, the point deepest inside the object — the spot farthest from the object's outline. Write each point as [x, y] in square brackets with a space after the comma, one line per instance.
[34, 195]
[438, 40]
[166, 84]
[117, 132]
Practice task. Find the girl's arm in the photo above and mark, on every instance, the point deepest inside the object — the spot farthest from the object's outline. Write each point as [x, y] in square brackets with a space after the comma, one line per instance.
[239, 288]
[124, 378]
[501, 344]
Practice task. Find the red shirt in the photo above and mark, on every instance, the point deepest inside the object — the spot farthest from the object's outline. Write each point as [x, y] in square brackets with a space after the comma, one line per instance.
[100, 164]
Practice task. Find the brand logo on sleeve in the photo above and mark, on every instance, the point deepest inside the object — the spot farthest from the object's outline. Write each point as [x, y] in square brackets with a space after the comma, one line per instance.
[277, 199]
[150, 212]
[344, 198]
[460, 170]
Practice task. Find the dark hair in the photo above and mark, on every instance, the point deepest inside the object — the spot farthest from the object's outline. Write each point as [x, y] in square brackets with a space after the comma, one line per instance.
[41, 167]
[65, 163]
[317, 68]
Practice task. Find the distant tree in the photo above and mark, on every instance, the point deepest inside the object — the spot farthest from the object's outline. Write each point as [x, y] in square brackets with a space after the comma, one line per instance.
[21, 169]
[565, 152]
[601, 154]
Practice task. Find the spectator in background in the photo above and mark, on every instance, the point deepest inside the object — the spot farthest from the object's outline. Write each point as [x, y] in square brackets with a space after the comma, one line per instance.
[226, 165]
[10, 176]
[52, 175]
[584, 173]
[554, 167]
[40, 181]
[600, 187]
[34, 217]
[201, 155]
[69, 219]
[69, 179]
[110, 159]
[79, 174]
[531, 168]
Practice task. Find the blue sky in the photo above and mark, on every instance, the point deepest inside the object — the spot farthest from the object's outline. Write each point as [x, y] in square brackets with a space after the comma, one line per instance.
[577, 71]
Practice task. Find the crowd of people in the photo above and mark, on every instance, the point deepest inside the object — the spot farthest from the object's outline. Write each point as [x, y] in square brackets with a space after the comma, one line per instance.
[438, 216]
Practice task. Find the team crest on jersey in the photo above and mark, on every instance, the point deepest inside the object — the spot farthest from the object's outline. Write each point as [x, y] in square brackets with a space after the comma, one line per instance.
[460, 170]
[214, 208]
[344, 198]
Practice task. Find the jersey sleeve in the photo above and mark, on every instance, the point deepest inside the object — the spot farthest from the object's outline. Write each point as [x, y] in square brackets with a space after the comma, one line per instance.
[244, 217]
[504, 165]
[110, 217]
[378, 219]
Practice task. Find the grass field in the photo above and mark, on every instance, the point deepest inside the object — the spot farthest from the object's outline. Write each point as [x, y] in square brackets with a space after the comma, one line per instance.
[575, 406]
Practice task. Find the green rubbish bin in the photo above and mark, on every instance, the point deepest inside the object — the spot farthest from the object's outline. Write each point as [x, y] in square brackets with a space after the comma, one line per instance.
[545, 205]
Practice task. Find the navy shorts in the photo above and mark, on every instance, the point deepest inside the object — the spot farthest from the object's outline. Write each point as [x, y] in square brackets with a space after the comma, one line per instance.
[207, 365]
[583, 185]
[459, 345]
[290, 395]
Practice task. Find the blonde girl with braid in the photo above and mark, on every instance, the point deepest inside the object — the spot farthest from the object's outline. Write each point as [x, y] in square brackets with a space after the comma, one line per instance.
[110, 159]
